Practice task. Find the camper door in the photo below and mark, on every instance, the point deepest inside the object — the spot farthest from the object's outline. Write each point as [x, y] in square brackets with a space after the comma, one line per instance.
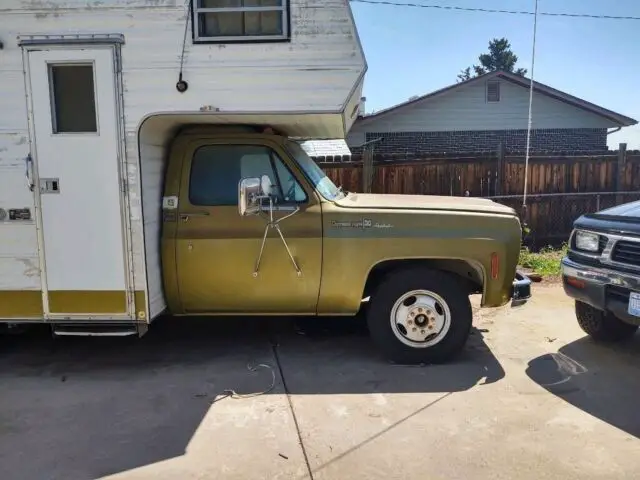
[78, 186]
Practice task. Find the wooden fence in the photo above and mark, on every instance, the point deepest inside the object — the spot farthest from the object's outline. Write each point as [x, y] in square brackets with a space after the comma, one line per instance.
[488, 175]
[550, 217]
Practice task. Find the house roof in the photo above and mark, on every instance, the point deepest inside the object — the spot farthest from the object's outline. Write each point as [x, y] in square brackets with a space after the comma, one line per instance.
[538, 87]
[326, 148]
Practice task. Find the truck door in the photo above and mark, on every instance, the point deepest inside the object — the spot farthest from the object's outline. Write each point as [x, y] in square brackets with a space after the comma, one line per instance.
[77, 140]
[217, 249]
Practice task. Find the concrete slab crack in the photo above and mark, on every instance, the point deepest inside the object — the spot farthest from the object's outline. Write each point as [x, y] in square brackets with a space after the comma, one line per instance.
[274, 347]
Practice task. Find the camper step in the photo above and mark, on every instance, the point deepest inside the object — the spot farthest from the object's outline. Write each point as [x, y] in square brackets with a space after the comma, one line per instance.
[88, 330]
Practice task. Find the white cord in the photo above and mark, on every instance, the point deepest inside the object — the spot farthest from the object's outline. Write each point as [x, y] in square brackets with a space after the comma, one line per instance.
[533, 63]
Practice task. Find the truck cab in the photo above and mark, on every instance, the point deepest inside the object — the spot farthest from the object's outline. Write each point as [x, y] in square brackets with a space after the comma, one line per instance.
[252, 226]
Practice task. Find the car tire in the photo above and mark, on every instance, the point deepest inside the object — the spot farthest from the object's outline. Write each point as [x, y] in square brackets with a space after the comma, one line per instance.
[602, 326]
[431, 316]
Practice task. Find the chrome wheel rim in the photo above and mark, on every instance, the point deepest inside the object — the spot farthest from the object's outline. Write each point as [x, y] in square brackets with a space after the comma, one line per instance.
[420, 318]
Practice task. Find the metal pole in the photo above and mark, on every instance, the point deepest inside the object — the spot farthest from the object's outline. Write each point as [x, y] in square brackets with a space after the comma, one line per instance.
[533, 62]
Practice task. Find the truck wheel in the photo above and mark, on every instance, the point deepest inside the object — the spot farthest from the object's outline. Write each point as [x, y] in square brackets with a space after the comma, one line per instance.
[420, 316]
[602, 326]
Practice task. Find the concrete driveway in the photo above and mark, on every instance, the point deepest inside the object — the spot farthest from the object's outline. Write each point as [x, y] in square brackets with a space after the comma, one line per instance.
[531, 398]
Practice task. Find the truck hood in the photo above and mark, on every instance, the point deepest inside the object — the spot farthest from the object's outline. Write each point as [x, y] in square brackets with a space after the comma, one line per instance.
[623, 219]
[628, 210]
[423, 202]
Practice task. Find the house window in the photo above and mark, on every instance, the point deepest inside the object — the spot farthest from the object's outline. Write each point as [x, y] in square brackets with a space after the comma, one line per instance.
[493, 91]
[240, 20]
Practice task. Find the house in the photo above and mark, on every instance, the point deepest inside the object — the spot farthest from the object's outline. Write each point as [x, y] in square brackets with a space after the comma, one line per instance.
[480, 113]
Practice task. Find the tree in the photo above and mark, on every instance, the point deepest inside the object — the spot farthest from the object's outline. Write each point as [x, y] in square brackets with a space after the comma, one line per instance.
[500, 57]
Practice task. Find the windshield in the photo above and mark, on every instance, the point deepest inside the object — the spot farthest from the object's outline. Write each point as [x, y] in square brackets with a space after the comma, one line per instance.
[321, 182]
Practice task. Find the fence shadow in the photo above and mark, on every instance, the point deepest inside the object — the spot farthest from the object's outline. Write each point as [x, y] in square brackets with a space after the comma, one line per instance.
[601, 380]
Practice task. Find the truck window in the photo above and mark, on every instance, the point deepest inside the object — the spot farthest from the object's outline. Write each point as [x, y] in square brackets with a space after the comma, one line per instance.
[217, 169]
[314, 173]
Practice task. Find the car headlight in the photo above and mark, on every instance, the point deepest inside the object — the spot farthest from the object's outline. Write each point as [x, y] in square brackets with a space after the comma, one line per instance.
[587, 241]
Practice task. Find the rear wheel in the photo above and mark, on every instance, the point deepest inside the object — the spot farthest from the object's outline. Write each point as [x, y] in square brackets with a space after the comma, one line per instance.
[602, 326]
[420, 316]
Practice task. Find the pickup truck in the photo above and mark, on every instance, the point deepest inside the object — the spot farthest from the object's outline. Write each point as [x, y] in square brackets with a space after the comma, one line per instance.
[601, 272]
[296, 244]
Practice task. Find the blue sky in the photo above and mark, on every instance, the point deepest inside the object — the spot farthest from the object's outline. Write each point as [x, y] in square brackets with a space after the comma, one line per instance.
[413, 51]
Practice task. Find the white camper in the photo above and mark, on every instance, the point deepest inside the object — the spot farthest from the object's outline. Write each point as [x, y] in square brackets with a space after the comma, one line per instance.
[93, 91]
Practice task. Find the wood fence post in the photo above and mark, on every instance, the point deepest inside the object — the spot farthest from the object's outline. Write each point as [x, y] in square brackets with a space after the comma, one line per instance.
[622, 158]
[499, 169]
[367, 170]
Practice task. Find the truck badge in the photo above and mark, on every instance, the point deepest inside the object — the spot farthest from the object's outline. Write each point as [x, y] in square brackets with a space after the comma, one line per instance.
[362, 223]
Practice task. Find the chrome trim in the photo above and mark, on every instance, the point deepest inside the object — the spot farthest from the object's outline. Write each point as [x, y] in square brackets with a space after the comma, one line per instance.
[521, 290]
[598, 275]
[94, 333]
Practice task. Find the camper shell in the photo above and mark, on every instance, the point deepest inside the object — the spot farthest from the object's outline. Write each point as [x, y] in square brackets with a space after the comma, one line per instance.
[80, 202]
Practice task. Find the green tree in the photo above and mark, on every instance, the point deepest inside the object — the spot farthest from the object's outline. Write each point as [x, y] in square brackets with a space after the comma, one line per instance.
[499, 57]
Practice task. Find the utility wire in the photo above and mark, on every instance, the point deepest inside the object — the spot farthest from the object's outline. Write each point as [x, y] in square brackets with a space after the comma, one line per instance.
[491, 10]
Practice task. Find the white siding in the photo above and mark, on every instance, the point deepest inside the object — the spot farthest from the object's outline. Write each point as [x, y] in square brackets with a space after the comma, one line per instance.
[465, 109]
[318, 70]
[19, 261]
[152, 183]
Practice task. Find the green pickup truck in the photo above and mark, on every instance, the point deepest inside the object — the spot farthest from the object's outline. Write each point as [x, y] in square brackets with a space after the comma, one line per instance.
[253, 226]
[250, 225]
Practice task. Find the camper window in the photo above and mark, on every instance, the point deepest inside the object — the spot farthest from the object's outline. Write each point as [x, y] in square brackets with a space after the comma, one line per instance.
[73, 106]
[240, 20]
[216, 171]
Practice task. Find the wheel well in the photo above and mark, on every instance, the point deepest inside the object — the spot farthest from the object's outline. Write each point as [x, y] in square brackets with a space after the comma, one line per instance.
[471, 276]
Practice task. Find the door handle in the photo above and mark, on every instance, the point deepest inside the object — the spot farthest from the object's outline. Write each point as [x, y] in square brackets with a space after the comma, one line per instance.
[29, 172]
[185, 215]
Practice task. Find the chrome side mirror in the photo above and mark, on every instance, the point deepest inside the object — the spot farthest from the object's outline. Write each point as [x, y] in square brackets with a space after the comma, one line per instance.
[251, 192]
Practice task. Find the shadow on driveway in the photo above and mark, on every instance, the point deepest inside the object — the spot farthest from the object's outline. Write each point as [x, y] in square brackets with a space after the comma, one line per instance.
[89, 407]
[336, 356]
[602, 380]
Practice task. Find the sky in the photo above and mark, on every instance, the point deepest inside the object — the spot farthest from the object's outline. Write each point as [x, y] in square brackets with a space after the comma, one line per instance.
[413, 51]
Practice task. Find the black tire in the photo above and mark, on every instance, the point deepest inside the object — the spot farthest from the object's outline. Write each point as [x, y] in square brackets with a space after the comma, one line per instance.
[603, 326]
[393, 287]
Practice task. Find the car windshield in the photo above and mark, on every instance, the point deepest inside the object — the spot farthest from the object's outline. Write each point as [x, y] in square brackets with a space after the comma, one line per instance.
[321, 182]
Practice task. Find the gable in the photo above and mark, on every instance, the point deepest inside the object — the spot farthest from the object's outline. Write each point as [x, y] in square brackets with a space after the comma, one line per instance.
[466, 108]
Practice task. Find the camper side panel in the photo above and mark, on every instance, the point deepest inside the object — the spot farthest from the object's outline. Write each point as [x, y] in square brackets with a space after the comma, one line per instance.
[316, 71]
[20, 285]
[152, 177]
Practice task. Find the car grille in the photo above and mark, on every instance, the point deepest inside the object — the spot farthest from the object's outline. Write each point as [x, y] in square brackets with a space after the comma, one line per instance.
[583, 259]
[602, 243]
[626, 252]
